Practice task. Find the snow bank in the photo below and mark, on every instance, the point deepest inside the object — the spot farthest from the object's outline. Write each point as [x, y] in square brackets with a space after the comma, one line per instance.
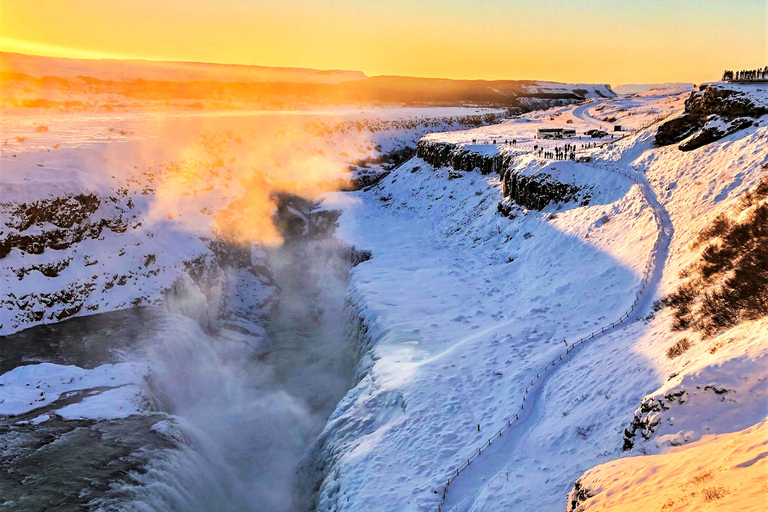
[723, 472]
[464, 307]
[113, 390]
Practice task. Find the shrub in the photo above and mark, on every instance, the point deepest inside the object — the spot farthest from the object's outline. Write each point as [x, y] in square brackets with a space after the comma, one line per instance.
[728, 283]
[41, 128]
[719, 227]
[19, 138]
[702, 477]
[678, 348]
[714, 493]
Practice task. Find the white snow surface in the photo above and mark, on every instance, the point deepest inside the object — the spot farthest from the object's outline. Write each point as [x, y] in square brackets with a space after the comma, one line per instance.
[114, 390]
[160, 187]
[463, 307]
[641, 88]
[720, 472]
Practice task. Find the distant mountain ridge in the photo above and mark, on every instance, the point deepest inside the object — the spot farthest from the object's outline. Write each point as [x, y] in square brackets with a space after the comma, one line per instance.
[29, 81]
[641, 88]
[134, 69]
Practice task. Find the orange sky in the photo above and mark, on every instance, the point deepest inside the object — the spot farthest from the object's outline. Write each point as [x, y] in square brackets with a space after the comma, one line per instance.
[607, 41]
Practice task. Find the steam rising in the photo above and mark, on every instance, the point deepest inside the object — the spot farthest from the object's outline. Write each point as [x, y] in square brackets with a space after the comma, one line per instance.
[223, 173]
[243, 424]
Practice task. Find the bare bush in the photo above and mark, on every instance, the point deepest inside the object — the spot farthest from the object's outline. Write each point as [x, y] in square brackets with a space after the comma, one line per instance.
[714, 493]
[702, 477]
[754, 196]
[728, 284]
[719, 227]
[678, 348]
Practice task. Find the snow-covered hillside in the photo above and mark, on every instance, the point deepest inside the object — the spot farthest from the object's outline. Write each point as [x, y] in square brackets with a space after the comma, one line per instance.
[505, 303]
[480, 316]
[108, 212]
[190, 404]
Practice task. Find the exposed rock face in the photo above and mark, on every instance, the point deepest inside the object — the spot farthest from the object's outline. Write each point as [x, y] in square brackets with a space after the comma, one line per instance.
[533, 191]
[711, 113]
[649, 415]
[537, 191]
[727, 103]
[578, 496]
[60, 222]
[444, 154]
[297, 218]
[82, 253]
[62, 212]
[370, 171]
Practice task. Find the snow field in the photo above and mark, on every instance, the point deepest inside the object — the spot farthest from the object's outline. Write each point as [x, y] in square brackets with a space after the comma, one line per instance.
[464, 307]
[27, 388]
[720, 472]
[460, 325]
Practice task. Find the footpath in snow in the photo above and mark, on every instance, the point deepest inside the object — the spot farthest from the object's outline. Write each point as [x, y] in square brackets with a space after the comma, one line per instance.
[468, 312]
[470, 477]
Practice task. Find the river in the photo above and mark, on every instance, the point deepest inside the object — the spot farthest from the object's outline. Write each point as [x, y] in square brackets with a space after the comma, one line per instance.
[225, 430]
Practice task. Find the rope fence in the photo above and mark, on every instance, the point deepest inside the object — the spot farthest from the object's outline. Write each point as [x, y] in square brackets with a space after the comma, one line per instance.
[606, 328]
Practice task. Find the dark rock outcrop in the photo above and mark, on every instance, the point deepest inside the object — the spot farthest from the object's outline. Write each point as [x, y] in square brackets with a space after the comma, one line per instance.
[297, 218]
[534, 192]
[58, 239]
[578, 496]
[710, 103]
[537, 191]
[712, 134]
[62, 212]
[445, 154]
[647, 417]
[63, 221]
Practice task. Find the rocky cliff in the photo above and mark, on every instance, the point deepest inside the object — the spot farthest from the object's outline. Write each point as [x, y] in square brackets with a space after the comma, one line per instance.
[711, 113]
[94, 250]
[533, 191]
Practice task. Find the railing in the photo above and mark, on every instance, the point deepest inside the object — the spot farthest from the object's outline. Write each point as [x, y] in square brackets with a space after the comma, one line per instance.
[591, 336]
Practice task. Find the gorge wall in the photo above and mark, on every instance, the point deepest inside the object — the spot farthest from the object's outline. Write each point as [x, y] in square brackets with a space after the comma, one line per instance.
[532, 191]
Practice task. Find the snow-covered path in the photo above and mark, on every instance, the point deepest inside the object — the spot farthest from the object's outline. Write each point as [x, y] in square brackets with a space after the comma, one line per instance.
[583, 113]
[466, 312]
[489, 460]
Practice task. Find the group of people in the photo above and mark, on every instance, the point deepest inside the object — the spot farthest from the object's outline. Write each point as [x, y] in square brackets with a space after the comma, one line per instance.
[567, 152]
[746, 74]
[513, 141]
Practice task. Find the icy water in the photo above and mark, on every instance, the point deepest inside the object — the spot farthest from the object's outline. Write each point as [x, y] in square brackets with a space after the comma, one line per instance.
[226, 431]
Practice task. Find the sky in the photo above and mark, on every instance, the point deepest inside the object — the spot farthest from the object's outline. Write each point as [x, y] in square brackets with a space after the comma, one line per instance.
[596, 41]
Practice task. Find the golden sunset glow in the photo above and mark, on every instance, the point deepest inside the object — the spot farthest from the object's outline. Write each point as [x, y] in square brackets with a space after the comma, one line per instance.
[591, 41]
